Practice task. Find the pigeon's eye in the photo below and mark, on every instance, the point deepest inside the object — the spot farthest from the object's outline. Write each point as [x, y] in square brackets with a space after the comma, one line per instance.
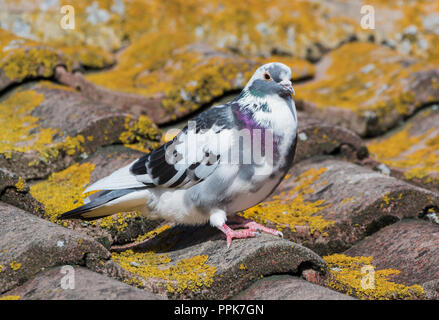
[267, 76]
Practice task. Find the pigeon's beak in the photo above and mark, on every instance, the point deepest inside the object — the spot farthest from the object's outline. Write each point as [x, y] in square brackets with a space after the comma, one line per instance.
[287, 85]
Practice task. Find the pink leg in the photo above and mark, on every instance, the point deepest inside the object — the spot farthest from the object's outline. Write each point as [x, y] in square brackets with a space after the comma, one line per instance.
[232, 234]
[253, 226]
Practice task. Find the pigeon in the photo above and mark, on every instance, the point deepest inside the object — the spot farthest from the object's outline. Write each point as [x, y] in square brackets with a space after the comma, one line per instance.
[227, 159]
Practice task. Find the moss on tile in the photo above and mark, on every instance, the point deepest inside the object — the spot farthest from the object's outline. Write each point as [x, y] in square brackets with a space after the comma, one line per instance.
[153, 233]
[184, 78]
[18, 124]
[292, 209]
[369, 79]
[22, 58]
[350, 277]
[141, 134]
[14, 265]
[10, 297]
[21, 185]
[416, 154]
[186, 274]
[62, 191]
[117, 222]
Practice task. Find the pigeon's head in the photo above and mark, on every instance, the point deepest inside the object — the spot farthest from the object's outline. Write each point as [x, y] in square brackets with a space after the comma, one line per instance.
[271, 79]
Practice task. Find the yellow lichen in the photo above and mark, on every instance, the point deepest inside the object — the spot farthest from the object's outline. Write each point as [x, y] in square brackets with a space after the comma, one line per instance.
[417, 155]
[18, 124]
[27, 63]
[153, 233]
[20, 185]
[10, 298]
[293, 209]
[185, 79]
[15, 265]
[186, 274]
[363, 77]
[140, 135]
[72, 145]
[386, 198]
[22, 58]
[21, 131]
[119, 222]
[62, 191]
[350, 277]
[89, 56]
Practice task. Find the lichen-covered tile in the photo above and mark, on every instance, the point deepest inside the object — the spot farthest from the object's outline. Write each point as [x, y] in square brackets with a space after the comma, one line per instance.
[287, 287]
[328, 205]
[300, 28]
[411, 151]
[14, 190]
[194, 262]
[359, 277]
[47, 126]
[76, 283]
[410, 27]
[90, 43]
[29, 244]
[410, 247]
[368, 88]
[23, 59]
[63, 191]
[170, 82]
[249, 27]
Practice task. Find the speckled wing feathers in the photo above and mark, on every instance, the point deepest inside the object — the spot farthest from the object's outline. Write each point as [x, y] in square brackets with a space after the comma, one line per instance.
[190, 157]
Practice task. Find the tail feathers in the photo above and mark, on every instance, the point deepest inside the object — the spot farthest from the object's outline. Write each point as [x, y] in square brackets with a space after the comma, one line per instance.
[120, 179]
[108, 202]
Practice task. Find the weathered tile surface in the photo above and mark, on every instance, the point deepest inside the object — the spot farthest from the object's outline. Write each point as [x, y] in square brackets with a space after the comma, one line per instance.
[317, 137]
[47, 126]
[194, 262]
[359, 277]
[411, 152]
[86, 285]
[288, 288]
[368, 88]
[30, 244]
[410, 246]
[172, 92]
[128, 67]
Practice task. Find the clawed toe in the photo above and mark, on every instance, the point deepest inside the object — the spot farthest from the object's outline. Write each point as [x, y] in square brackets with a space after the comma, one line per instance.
[241, 234]
[256, 226]
[252, 229]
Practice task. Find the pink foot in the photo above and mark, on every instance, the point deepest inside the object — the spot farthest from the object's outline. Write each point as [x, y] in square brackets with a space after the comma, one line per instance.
[232, 234]
[253, 226]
